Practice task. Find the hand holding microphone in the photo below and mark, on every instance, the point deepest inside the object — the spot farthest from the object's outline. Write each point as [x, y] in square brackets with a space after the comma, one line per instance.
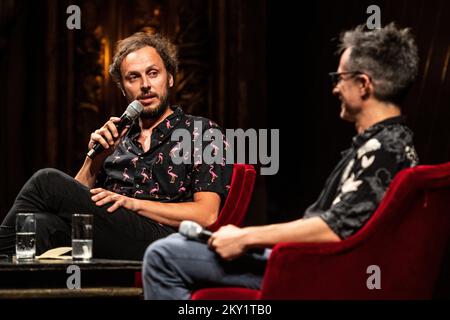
[108, 135]
[230, 241]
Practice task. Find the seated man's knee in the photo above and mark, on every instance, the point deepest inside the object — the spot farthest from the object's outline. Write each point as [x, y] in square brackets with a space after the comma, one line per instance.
[160, 250]
[155, 252]
[46, 173]
[47, 176]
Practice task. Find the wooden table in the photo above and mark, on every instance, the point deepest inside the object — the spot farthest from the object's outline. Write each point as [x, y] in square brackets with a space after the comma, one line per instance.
[49, 278]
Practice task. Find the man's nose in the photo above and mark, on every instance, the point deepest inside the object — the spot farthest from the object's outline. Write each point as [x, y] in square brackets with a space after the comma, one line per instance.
[145, 85]
[335, 90]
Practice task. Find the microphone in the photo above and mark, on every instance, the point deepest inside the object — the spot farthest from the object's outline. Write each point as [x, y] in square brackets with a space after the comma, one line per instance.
[193, 231]
[132, 112]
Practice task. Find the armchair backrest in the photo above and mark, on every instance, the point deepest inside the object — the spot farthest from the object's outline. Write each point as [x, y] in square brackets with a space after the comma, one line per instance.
[410, 231]
[239, 196]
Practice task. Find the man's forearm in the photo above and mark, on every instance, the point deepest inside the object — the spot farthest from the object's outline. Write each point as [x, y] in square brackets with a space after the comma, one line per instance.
[88, 172]
[173, 213]
[301, 230]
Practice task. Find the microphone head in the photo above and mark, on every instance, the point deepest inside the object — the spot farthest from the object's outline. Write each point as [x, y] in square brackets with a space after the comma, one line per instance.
[134, 109]
[190, 229]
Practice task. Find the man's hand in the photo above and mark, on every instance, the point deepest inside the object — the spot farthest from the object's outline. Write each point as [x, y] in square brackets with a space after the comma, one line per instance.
[102, 197]
[107, 135]
[229, 242]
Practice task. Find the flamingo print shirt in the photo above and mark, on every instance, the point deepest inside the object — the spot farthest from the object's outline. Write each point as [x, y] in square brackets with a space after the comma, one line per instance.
[152, 175]
[357, 185]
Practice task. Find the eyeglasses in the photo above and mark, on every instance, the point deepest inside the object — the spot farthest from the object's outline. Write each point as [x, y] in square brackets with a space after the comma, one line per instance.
[337, 76]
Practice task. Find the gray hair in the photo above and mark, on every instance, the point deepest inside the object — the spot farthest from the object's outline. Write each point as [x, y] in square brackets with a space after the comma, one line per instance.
[388, 55]
[166, 50]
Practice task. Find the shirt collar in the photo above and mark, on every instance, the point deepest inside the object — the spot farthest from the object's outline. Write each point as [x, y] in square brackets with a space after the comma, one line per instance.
[170, 122]
[361, 138]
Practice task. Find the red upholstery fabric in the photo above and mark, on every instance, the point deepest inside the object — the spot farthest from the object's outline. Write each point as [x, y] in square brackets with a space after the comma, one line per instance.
[226, 294]
[239, 196]
[236, 204]
[407, 237]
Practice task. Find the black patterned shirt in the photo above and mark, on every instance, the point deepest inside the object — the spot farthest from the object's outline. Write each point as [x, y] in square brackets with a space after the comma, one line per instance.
[357, 185]
[152, 175]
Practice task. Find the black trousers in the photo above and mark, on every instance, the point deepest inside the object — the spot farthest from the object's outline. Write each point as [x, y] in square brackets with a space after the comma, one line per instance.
[54, 196]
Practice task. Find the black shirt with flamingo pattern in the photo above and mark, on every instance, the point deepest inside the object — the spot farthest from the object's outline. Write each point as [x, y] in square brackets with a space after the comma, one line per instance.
[152, 175]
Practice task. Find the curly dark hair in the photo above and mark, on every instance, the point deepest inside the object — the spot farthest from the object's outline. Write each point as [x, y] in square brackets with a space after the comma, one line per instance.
[166, 50]
[389, 55]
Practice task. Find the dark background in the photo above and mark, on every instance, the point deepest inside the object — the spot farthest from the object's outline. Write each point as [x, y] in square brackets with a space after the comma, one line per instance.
[244, 63]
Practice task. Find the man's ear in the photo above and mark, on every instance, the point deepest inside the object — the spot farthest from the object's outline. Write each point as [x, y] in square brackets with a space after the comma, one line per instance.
[170, 80]
[365, 85]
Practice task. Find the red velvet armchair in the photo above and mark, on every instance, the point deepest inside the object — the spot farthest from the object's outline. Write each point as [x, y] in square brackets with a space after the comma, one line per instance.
[407, 238]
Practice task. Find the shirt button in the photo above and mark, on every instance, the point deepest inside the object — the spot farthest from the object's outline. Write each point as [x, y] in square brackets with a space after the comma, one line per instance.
[137, 186]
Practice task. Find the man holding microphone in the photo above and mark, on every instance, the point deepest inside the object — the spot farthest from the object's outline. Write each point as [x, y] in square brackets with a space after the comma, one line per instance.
[128, 180]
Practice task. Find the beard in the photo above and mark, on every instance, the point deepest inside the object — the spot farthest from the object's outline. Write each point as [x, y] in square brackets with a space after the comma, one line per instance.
[156, 112]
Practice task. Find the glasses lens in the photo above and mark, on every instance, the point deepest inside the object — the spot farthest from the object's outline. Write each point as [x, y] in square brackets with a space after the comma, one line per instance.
[334, 76]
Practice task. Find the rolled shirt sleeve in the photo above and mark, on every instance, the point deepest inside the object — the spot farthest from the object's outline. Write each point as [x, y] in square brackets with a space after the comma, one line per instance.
[363, 186]
[208, 175]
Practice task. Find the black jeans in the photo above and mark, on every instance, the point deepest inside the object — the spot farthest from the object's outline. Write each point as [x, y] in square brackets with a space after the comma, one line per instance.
[54, 196]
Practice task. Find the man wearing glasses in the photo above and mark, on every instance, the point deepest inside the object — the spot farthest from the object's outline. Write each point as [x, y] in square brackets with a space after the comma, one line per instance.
[376, 70]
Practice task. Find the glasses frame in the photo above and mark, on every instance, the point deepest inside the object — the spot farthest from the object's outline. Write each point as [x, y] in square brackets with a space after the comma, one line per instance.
[336, 77]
